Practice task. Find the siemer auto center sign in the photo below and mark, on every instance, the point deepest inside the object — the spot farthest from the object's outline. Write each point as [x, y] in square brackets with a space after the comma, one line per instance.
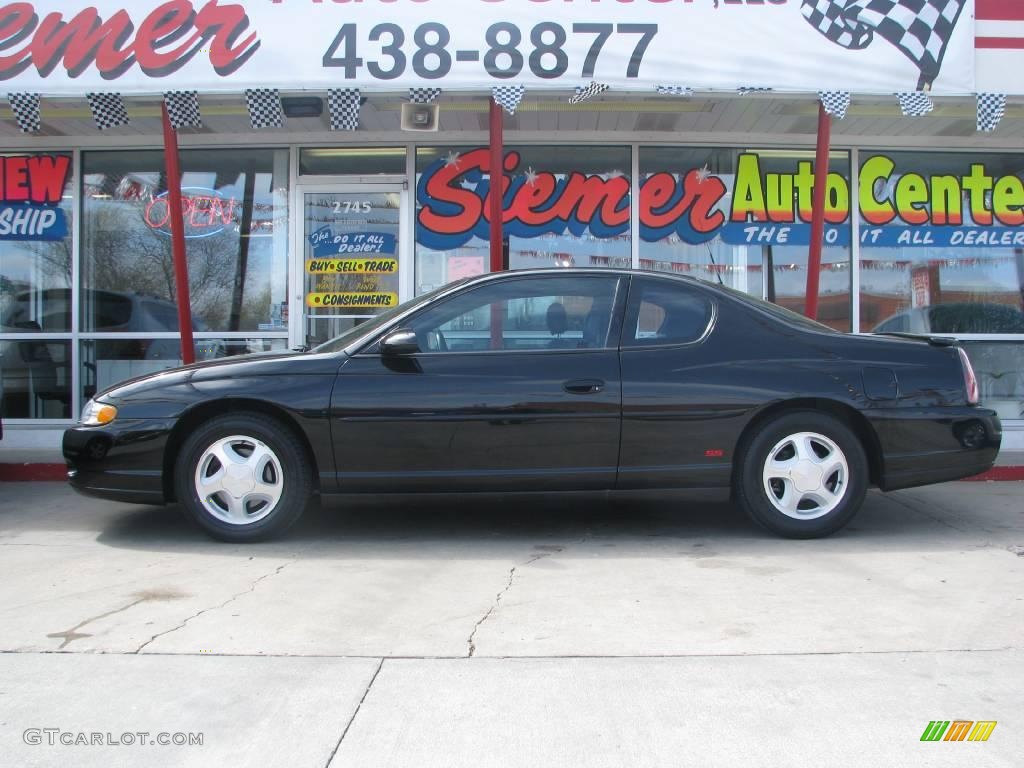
[68, 48]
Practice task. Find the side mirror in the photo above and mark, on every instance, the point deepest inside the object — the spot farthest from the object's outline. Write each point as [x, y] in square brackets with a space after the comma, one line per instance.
[400, 342]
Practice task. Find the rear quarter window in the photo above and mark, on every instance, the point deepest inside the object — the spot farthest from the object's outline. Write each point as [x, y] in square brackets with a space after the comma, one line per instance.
[663, 313]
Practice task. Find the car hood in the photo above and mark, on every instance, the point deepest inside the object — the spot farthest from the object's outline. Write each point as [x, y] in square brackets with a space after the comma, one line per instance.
[242, 366]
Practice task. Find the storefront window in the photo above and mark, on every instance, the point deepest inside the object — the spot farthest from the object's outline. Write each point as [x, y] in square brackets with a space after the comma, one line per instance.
[942, 251]
[235, 207]
[352, 161]
[36, 224]
[565, 206]
[236, 231]
[742, 218]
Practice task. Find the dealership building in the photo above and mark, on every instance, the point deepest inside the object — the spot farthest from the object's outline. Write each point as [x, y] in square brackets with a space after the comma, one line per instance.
[335, 160]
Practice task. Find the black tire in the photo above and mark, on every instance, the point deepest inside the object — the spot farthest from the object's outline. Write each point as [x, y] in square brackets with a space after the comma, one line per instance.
[288, 471]
[751, 479]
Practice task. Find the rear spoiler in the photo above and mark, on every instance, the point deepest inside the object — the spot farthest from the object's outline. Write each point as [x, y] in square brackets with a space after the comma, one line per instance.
[935, 341]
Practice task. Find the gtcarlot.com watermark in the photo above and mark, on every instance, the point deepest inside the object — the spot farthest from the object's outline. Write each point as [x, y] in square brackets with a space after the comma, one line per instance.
[58, 737]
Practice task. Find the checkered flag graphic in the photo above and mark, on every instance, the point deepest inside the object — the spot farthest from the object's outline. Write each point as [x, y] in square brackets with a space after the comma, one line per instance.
[920, 29]
[344, 105]
[108, 110]
[746, 90]
[508, 97]
[916, 104]
[25, 107]
[264, 107]
[183, 109]
[835, 102]
[991, 108]
[588, 92]
[673, 90]
[424, 95]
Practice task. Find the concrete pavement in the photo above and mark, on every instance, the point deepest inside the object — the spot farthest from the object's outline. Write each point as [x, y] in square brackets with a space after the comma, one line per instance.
[641, 631]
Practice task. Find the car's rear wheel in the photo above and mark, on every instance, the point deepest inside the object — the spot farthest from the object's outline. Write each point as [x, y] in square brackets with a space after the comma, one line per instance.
[243, 477]
[802, 475]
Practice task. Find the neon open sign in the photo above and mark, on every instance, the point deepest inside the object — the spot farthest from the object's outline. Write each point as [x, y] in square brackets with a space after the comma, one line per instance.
[204, 211]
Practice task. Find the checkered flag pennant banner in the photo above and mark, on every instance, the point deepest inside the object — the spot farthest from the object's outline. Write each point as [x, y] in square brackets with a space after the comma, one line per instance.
[25, 107]
[424, 95]
[508, 97]
[835, 102]
[673, 90]
[183, 109]
[920, 29]
[584, 92]
[916, 104]
[264, 107]
[108, 110]
[344, 105]
[991, 108]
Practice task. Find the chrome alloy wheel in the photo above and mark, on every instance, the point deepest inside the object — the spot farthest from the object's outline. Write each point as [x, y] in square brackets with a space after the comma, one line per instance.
[239, 480]
[806, 475]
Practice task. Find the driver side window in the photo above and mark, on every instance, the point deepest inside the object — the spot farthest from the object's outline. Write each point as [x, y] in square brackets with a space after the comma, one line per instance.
[526, 314]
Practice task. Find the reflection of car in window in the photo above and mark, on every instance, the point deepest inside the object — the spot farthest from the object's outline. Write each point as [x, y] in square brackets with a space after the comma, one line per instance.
[40, 368]
[961, 317]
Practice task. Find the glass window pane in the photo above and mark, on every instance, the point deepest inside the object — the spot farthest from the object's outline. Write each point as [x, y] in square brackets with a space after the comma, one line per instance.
[236, 230]
[665, 314]
[352, 161]
[942, 249]
[530, 314]
[36, 376]
[999, 367]
[741, 218]
[36, 222]
[565, 206]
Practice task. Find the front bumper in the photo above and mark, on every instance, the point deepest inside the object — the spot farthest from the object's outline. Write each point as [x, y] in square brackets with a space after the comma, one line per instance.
[935, 445]
[121, 461]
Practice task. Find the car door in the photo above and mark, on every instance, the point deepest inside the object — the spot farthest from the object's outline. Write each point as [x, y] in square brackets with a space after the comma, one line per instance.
[680, 415]
[515, 387]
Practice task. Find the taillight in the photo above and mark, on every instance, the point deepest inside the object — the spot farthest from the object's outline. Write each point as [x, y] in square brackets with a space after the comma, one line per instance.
[970, 380]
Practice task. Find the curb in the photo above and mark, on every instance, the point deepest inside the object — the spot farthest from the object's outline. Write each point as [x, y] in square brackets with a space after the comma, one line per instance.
[19, 473]
[15, 473]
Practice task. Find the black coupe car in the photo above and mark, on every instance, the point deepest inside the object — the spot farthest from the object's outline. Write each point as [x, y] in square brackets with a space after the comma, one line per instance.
[547, 380]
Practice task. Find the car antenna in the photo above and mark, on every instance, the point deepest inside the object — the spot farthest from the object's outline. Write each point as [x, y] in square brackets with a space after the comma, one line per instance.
[712, 257]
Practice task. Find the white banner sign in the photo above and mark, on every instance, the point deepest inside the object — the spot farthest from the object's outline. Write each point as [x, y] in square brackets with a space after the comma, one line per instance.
[69, 47]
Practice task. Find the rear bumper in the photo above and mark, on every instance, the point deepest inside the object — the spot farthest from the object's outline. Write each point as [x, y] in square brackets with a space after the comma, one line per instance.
[122, 461]
[935, 445]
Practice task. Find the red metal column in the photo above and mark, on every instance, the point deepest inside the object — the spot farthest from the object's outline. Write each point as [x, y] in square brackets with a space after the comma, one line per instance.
[497, 174]
[188, 353]
[495, 213]
[818, 211]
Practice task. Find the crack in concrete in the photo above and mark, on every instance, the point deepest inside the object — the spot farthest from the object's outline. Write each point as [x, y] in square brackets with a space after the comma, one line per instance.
[252, 588]
[470, 641]
[352, 719]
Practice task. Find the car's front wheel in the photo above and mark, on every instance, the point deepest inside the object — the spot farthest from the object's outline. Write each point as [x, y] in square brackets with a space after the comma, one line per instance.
[802, 475]
[243, 477]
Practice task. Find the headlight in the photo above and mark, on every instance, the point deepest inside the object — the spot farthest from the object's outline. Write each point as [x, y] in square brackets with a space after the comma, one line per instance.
[97, 414]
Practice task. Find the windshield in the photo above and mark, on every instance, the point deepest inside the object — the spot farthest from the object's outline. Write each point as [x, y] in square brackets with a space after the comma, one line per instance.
[338, 343]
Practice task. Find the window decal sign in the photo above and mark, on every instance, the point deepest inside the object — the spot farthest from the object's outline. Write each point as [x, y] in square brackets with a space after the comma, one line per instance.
[325, 243]
[31, 189]
[748, 207]
[80, 46]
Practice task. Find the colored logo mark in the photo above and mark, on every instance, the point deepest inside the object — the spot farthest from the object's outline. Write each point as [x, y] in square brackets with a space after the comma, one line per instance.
[958, 730]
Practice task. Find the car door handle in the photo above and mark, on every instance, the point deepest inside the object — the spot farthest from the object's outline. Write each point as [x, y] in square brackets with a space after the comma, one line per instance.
[583, 386]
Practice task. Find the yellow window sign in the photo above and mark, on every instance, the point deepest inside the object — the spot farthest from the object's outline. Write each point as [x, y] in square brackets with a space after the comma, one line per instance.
[352, 266]
[352, 300]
